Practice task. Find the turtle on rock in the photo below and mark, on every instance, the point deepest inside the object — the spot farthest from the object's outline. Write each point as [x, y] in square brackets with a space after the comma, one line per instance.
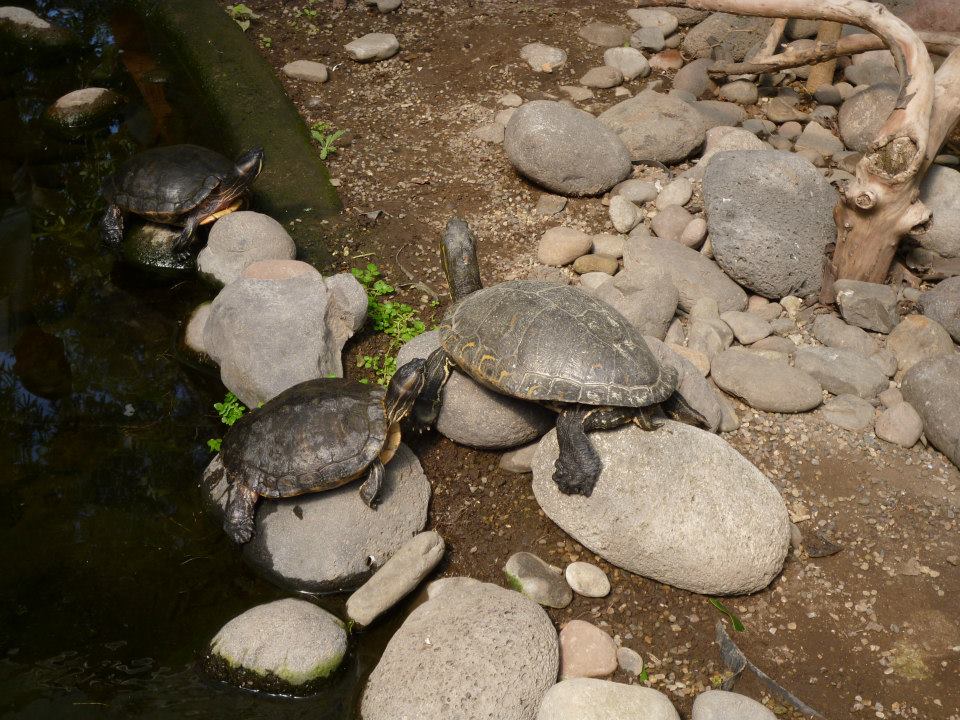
[315, 436]
[552, 344]
[180, 185]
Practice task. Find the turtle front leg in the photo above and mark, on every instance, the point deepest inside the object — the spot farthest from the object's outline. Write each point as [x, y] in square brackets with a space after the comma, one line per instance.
[370, 490]
[427, 408]
[111, 226]
[238, 521]
[677, 407]
[182, 241]
[578, 467]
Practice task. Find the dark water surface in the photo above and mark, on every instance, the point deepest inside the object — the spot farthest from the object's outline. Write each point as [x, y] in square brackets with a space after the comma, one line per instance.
[113, 578]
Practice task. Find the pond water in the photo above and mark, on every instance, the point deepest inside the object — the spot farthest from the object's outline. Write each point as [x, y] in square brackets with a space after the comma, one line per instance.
[114, 579]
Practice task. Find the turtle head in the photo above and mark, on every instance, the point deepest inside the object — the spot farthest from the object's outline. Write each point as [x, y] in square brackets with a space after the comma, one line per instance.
[458, 251]
[250, 164]
[404, 389]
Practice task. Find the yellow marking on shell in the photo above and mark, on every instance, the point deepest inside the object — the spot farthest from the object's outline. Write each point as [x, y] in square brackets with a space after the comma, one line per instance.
[503, 374]
[220, 213]
[469, 345]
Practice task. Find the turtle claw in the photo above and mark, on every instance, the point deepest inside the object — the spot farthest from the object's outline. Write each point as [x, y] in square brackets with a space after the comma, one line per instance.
[574, 483]
[370, 490]
[240, 533]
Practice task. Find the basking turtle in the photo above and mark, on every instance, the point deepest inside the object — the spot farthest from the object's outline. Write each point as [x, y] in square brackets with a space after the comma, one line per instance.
[312, 437]
[181, 185]
[555, 345]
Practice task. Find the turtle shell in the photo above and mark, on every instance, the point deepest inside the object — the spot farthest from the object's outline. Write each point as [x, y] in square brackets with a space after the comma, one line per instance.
[166, 183]
[548, 342]
[314, 436]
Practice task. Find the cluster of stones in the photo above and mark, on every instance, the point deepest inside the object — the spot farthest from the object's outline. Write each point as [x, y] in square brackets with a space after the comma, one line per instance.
[369, 48]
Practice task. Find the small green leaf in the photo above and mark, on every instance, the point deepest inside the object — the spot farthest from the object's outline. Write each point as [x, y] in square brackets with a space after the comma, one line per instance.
[214, 444]
[737, 625]
[244, 24]
[644, 676]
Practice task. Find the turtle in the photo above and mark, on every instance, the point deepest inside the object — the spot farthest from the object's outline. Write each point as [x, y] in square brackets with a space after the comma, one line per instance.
[553, 344]
[315, 436]
[181, 185]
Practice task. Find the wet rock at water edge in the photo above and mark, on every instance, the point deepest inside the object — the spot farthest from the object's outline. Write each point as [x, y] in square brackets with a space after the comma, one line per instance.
[587, 579]
[871, 306]
[149, 247]
[655, 127]
[849, 412]
[472, 415]
[586, 651]
[769, 216]
[593, 699]
[764, 383]
[842, 372]
[287, 642]
[330, 541]
[23, 28]
[85, 108]
[372, 47]
[308, 70]
[932, 387]
[278, 324]
[240, 239]
[398, 576]
[564, 149]
[543, 58]
[193, 330]
[733, 539]
[487, 651]
[917, 338]
[538, 580]
[723, 705]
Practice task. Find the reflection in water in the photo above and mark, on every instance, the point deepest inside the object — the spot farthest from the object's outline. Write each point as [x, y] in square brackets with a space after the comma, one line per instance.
[114, 580]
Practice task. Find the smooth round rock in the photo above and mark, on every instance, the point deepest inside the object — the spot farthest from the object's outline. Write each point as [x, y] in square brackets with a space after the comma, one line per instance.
[624, 215]
[629, 61]
[849, 412]
[900, 424]
[842, 372]
[862, 115]
[543, 58]
[653, 17]
[538, 580]
[595, 263]
[240, 239]
[586, 651]
[677, 192]
[472, 415]
[917, 338]
[592, 699]
[602, 77]
[604, 34]
[656, 127]
[291, 640]
[763, 383]
[308, 70]
[932, 387]
[940, 192]
[942, 304]
[740, 91]
[331, 541]
[587, 579]
[372, 47]
[728, 36]
[561, 245]
[723, 705]
[473, 651]
[193, 333]
[84, 108]
[564, 149]
[677, 505]
[670, 222]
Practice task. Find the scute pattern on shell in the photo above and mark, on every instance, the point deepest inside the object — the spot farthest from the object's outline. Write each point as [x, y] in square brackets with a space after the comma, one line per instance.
[315, 436]
[166, 182]
[549, 342]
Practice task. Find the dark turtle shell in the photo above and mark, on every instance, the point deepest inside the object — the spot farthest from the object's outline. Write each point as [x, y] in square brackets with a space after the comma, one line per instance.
[165, 183]
[548, 342]
[314, 436]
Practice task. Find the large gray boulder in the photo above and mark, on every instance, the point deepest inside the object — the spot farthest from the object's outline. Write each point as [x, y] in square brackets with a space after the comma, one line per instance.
[84, 108]
[564, 149]
[290, 640]
[281, 323]
[473, 651]
[871, 306]
[241, 239]
[646, 299]
[940, 192]
[765, 383]
[656, 127]
[330, 541]
[594, 699]
[723, 705]
[932, 387]
[728, 37]
[693, 274]
[472, 415]
[943, 305]
[770, 216]
[862, 115]
[678, 505]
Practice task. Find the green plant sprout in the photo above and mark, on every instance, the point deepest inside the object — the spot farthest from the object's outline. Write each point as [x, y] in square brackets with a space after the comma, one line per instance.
[242, 15]
[396, 320]
[230, 410]
[265, 41]
[737, 624]
[325, 134]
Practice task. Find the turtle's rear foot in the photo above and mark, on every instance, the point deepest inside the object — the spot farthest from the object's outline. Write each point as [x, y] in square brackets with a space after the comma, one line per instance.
[241, 532]
[111, 226]
[238, 520]
[578, 468]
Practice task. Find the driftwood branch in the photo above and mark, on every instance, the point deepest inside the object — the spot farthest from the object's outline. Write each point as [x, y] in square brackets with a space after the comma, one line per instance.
[882, 205]
[822, 72]
[936, 43]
